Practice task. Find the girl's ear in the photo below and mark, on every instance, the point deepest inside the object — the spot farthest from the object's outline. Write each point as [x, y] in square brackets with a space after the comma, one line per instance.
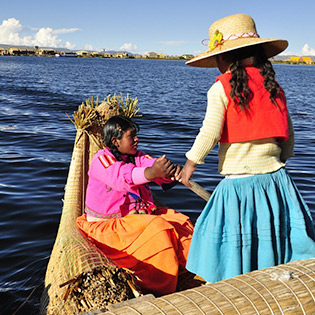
[115, 142]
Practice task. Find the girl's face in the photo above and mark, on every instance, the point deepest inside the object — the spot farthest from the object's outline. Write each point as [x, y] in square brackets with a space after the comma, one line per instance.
[128, 144]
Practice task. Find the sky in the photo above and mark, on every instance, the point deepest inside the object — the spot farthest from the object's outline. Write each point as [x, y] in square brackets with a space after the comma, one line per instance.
[172, 27]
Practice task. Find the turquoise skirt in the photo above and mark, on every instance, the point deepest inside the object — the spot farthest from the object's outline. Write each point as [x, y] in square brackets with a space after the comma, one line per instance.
[251, 223]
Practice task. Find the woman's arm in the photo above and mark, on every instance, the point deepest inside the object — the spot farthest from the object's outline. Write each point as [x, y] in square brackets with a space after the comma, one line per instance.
[209, 134]
[287, 147]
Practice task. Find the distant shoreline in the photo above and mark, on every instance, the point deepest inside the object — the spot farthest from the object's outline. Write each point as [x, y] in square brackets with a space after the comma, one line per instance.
[166, 58]
[52, 52]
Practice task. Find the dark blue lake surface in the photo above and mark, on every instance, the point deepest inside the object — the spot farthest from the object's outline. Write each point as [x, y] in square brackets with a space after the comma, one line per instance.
[36, 139]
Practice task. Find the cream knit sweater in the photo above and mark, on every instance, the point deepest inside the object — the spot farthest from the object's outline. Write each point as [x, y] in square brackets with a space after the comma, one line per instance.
[254, 157]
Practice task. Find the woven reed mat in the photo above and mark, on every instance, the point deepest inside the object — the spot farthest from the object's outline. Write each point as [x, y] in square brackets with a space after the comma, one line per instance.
[286, 289]
[79, 277]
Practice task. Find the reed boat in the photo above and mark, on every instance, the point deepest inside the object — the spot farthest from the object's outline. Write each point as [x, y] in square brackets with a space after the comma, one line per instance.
[80, 279]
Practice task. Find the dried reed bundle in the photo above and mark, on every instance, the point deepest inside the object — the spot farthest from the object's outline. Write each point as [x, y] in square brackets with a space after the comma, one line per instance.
[79, 277]
[99, 287]
[90, 113]
[129, 107]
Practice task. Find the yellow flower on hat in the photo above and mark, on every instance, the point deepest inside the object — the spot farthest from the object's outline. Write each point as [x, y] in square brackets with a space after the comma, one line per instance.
[215, 40]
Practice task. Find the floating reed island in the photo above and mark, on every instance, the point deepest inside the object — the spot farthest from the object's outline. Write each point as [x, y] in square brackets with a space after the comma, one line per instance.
[81, 279]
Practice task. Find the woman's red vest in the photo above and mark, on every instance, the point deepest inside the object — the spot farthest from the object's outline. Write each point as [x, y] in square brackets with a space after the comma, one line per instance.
[262, 119]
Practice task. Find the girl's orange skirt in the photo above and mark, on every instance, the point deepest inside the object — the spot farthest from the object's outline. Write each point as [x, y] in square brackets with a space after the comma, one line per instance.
[155, 247]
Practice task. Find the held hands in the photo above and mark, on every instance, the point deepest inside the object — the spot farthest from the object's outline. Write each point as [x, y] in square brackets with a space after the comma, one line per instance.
[162, 167]
[186, 173]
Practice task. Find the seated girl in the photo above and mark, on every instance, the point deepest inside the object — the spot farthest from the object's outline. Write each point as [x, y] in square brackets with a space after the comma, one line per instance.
[121, 217]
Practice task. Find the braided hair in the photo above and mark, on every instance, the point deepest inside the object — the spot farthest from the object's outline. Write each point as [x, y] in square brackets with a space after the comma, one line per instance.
[240, 92]
[116, 126]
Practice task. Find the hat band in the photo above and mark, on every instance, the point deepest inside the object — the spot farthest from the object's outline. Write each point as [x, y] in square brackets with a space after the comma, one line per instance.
[219, 39]
[240, 35]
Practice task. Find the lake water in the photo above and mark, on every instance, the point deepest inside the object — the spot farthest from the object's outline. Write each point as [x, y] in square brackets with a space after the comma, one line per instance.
[36, 139]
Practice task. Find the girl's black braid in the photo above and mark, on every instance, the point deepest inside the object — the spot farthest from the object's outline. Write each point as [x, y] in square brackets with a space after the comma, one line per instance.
[270, 83]
[116, 154]
[240, 92]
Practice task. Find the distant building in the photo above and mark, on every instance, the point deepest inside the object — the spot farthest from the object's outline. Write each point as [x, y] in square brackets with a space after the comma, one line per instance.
[152, 55]
[3, 51]
[107, 55]
[46, 52]
[160, 56]
[96, 54]
[28, 51]
[187, 56]
[120, 55]
[68, 54]
[306, 60]
[14, 51]
[83, 53]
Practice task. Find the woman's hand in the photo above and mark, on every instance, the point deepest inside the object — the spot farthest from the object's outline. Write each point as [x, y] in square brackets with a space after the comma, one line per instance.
[186, 173]
[177, 171]
[162, 167]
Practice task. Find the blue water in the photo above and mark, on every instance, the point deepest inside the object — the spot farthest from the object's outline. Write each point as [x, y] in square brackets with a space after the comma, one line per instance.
[36, 140]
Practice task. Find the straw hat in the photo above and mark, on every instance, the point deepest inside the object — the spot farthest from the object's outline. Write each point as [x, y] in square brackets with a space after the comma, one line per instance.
[233, 32]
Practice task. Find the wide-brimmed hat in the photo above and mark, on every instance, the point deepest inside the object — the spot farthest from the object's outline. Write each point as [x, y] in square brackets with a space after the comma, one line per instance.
[233, 32]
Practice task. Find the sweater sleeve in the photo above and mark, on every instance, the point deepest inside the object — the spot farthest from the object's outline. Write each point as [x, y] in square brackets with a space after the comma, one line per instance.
[212, 125]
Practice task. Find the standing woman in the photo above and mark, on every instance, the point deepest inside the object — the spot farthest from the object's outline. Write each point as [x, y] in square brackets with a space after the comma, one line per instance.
[255, 218]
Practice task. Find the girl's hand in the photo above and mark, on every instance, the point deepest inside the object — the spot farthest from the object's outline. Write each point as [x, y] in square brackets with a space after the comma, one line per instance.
[187, 172]
[177, 173]
[162, 167]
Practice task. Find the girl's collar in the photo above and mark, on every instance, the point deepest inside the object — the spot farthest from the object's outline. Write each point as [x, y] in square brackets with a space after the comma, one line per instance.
[126, 158]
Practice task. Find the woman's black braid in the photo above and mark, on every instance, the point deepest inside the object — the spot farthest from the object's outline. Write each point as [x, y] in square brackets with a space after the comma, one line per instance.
[240, 92]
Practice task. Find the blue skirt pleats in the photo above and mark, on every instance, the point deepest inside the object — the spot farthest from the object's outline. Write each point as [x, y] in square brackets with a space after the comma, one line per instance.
[251, 223]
